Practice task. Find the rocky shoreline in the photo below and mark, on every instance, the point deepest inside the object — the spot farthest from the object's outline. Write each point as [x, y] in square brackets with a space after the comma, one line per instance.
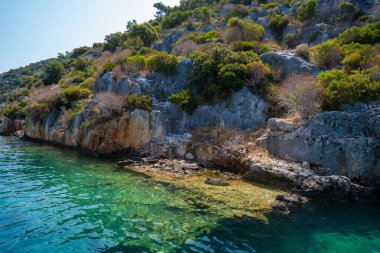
[236, 155]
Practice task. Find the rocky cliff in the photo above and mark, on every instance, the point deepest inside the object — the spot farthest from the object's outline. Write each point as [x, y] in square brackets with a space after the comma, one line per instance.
[336, 143]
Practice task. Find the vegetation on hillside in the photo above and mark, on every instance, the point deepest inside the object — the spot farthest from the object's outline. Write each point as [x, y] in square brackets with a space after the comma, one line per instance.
[224, 43]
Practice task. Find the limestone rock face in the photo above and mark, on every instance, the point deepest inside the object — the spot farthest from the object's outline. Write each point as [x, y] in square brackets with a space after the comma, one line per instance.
[130, 132]
[288, 63]
[9, 126]
[121, 87]
[345, 143]
[166, 44]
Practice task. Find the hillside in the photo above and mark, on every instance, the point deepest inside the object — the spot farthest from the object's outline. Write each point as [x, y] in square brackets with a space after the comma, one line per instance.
[202, 80]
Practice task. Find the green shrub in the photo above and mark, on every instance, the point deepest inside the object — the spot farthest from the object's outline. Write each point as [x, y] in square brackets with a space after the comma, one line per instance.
[352, 61]
[202, 14]
[79, 52]
[13, 112]
[135, 64]
[243, 30]
[206, 37]
[239, 11]
[219, 71]
[303, 51]
[327, 54]
[306, 10]
[347, 7]
[368, 34]
[133, 102]
[277, 23]
[146, 32]
[75, 93]
[184, 100]
[38, 110]
[342, 88]
[53, 71]
[175, 18]
[163, 63]
[292, 40]
[114, 40]
[108, 67]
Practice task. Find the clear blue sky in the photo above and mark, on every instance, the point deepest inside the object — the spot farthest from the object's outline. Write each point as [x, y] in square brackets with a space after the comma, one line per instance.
[33, 30]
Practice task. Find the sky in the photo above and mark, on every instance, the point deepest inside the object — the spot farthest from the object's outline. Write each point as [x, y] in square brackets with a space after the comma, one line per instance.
[34, 30]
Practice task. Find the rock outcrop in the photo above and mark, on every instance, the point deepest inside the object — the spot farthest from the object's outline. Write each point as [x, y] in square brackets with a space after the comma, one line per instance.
[132, 131]
[345, 143]
[9, 126]
[288, 63]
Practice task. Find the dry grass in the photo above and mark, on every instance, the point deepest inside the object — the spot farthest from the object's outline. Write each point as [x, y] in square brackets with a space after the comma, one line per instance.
[300, 93]
[109, 104]
[41, 93]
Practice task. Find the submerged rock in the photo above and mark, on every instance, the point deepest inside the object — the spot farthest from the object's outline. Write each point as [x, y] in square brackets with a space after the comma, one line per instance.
[216, 181]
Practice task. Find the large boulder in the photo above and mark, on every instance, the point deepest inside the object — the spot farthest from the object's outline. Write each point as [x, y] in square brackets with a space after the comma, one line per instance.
[343, 143]
[123, 87]
[288, 63]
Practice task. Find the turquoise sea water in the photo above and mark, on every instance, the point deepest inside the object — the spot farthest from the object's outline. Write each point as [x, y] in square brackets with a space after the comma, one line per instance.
[53, 200]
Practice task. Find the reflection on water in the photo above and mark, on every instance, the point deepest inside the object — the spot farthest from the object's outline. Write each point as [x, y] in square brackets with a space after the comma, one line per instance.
[52, 200]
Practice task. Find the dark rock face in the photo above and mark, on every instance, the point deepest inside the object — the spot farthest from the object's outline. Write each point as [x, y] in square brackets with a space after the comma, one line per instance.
[341, 143]
[288, 63]
[306, 181]
[9, 126]
[168, 41]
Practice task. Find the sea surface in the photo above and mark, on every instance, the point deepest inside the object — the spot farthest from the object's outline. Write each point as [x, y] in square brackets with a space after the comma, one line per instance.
[54, 200]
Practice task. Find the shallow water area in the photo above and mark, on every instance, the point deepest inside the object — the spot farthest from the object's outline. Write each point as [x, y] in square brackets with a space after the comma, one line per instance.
[54, 200]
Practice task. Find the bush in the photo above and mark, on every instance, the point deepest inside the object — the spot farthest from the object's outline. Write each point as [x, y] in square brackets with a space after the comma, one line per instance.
[108, 104]
[108, 67]
[327, 54]
[256, 74]
[175, 18]
[239, 11]
[306, 10]
[277, 23]
[292, 40]
[146, 32]
[79, 52]
[218, 72]
[243, 30]
[368, 34]
[206, 37]
[13, 112]
[184, 100]
[303, 51]
[135, 64]
[202, 14]
[38, 110]
[113, 41]
[133, 102]
[163, 63]
[342, 88]
[76, 93]
[53, 71]
[185, 47]
[301, 93]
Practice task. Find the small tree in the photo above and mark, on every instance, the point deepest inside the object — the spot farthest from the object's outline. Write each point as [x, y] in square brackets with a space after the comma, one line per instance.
[306, 10]
[53, 71]
[301, 93]
[243, 30]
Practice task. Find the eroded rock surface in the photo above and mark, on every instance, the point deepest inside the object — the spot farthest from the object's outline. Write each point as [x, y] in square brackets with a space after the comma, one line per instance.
[345, 143]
